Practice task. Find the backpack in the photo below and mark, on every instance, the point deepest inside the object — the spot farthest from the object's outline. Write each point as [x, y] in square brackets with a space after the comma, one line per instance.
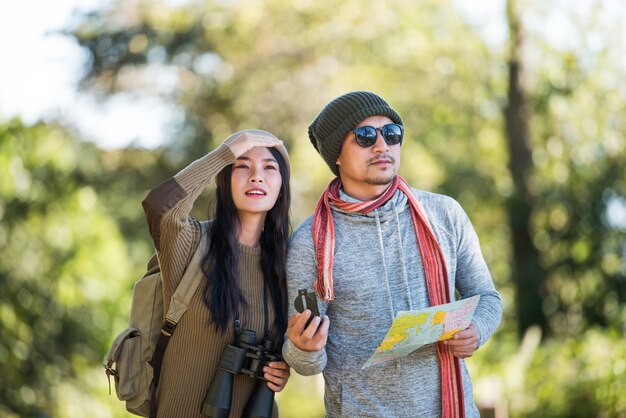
[137, 351]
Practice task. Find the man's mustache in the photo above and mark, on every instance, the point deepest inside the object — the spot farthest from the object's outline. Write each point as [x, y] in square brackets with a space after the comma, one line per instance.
[385, 157]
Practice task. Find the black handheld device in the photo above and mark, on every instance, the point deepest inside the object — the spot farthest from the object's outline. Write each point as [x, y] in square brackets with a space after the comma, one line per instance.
[306, 300]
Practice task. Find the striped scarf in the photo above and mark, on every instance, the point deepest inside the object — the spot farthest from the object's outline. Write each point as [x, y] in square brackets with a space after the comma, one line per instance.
[433, 262]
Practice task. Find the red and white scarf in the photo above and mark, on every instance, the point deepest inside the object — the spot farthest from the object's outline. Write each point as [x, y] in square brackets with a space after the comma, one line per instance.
[433, 262]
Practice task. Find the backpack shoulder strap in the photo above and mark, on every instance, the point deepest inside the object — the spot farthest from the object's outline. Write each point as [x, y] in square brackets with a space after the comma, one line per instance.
[187, 286]
[178, 306]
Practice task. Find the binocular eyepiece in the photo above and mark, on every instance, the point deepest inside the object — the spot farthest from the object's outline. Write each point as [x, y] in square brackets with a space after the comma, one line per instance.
[244, 358]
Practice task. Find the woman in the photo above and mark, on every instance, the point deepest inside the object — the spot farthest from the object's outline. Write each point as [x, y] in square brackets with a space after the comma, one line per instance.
[244, 266]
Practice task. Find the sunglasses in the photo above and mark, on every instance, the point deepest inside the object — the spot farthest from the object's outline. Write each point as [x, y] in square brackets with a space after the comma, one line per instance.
[366, 135]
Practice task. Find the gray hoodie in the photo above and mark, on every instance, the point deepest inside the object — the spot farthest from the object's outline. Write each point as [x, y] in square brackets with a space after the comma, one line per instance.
[377, 272]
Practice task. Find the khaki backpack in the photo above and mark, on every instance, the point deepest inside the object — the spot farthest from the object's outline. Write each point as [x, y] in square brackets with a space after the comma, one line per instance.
[137, 351]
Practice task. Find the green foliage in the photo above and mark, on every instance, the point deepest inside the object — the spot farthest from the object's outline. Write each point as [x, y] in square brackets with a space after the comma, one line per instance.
[579, 151]
[61, 264]
[588, 377]
[582, 376]
[303, 397]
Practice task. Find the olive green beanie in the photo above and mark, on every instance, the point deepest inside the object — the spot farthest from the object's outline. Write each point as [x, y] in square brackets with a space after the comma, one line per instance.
[340, 116]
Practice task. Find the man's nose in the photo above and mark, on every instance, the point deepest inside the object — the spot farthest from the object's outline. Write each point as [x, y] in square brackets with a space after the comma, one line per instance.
[380, 145]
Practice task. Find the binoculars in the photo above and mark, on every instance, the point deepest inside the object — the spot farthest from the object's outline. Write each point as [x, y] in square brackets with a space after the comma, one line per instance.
[246, 357]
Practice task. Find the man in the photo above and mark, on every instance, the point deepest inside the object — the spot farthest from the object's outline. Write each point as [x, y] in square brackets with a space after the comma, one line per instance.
[373, 247]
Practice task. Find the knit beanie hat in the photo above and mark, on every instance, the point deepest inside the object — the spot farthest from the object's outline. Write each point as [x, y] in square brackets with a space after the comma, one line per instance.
[340, 116]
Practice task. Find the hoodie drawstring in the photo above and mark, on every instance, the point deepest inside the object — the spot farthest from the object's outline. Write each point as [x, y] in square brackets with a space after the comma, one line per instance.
[402, 263]
[382, 250]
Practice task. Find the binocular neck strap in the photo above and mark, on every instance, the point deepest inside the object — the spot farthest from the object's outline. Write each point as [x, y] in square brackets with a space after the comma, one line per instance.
[266, 329]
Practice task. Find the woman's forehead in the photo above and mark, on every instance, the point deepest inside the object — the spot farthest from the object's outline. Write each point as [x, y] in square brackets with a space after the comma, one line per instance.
[259, 153]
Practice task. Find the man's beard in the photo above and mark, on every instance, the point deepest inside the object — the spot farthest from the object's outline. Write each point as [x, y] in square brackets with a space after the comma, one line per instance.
[380, 180]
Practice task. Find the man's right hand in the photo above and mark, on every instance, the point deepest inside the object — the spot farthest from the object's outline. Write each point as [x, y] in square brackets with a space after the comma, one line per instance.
[311, 338]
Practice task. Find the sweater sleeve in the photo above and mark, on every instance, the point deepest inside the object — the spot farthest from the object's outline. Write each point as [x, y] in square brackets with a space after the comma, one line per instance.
[174, 233]
[473, 278]
[301, 274]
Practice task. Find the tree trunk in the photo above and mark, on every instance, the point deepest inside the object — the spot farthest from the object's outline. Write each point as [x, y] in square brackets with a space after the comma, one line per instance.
[528, 275]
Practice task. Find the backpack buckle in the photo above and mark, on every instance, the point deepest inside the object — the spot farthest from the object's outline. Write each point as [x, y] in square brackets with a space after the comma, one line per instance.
[168, 327]
[110, 371]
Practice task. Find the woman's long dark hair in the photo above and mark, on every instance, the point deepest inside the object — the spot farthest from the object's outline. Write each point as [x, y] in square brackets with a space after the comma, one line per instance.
[221, 293]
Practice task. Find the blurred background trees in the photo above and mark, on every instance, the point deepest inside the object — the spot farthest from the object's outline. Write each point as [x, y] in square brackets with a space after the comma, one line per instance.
[528, 136]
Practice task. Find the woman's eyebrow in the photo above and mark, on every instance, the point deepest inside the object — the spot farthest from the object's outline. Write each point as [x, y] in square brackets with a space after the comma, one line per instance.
[266, 160]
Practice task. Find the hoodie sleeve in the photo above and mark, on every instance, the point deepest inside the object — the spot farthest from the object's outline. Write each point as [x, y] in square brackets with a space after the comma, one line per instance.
[473, 277]
[301, 274]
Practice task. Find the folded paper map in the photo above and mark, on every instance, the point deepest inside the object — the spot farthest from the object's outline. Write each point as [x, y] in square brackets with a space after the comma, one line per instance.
[414, 329]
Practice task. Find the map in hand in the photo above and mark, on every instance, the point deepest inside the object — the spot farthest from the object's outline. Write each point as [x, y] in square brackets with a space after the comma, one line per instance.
[414, 329]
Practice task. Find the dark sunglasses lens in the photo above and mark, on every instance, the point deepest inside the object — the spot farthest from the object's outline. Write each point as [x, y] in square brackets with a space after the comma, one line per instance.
[392, 133]
[365, 136]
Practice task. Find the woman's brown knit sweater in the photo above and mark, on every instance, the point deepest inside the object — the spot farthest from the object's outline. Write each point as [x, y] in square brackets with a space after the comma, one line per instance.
[195, 348]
